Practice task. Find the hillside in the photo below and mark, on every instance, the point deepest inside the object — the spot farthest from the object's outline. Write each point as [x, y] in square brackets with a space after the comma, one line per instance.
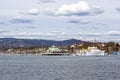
[14, 43]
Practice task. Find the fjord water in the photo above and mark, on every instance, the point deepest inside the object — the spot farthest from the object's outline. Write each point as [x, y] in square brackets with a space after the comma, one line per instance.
[59, 68]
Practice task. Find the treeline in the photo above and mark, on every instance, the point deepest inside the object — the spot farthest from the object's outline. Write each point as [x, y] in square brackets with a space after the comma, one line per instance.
[108, 47]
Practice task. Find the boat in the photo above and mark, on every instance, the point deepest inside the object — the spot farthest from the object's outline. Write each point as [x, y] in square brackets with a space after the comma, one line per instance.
[54, 54]
[91, 51]
[78, 54]
[94, 51]
[54, 51]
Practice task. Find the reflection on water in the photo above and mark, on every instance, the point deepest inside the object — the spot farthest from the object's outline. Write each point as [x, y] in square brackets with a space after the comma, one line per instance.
[59, 68]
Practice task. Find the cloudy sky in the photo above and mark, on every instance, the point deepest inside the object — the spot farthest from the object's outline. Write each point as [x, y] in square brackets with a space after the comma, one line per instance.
[60, 19]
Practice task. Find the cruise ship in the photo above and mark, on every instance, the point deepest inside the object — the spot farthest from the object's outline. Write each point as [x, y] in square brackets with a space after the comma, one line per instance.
[94, 51]
[91, 51]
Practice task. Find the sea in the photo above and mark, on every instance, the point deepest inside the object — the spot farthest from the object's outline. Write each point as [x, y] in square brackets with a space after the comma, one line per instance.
[36, 67]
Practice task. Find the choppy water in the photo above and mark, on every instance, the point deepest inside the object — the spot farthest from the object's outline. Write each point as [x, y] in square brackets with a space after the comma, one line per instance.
[59, 68]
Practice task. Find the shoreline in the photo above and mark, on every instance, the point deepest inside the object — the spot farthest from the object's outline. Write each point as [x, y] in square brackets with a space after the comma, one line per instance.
[28, 54]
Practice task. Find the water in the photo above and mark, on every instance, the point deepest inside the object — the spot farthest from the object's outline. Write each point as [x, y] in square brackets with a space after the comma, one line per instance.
[59, 68]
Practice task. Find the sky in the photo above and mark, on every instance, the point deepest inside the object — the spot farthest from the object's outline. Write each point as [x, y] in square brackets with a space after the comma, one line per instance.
[87, 20]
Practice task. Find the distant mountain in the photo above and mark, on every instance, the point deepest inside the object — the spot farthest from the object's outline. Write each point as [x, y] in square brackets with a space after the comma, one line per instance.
[14, 43]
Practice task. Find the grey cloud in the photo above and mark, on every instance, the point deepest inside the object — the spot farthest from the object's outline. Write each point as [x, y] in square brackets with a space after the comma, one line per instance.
[21, 20]
[31, 27]
[109, 34]
[101, 24]
[57, 33]
[4, 32]
[118, 8]
[3, 23]
[113, 33]
[96, 10]
[46, 1]
[73, 21]
[34, 35]
[79, 21]
[90, 34]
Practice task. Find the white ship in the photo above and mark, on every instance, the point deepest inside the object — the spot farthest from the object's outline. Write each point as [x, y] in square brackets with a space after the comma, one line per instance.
[91, 51]
[94, 51]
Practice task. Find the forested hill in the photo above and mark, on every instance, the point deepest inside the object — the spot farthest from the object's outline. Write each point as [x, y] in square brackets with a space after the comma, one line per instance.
[14, 43]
